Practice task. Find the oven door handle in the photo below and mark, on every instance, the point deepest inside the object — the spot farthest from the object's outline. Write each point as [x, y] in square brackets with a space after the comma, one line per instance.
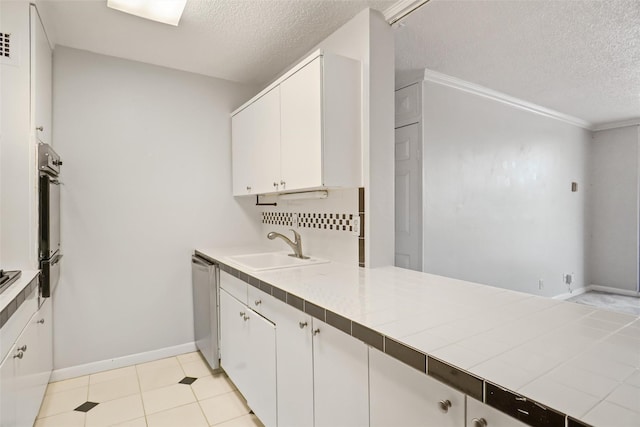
[56, 260]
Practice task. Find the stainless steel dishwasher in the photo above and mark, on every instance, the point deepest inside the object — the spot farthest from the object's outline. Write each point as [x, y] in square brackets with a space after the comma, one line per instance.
[205, 277]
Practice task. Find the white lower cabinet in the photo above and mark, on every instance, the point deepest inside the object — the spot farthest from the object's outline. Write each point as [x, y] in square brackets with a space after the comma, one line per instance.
[402, 396]
[481, 415]
[25, 371]
[294, 349]
[340, 378]
[248, 355]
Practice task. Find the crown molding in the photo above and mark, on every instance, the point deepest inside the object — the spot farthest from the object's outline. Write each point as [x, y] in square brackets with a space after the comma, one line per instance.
[402, 8]
[454, 82]
[618, 124]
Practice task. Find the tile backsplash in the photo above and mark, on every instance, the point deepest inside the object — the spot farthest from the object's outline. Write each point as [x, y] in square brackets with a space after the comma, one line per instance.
[330, 228]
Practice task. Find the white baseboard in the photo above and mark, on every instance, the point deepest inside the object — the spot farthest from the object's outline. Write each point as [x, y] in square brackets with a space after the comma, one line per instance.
[597, 288]
[573, 293]
[611, 290]
[121, 362]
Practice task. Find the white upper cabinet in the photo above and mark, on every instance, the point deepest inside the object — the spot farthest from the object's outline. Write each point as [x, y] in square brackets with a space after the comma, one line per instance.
[306, 135]
[41, 64]
[256, 145]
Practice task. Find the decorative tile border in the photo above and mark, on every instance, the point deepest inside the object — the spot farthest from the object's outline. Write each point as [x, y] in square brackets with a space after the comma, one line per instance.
[13, 306]
[318, 221]
[508, 402]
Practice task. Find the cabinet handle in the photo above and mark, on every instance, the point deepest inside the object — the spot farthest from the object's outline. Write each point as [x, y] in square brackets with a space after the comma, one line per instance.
[40, 128]
[444, 405]
[41, 321]
[248, 188]
[302, 324]
[257, 302]
[479, 422]
[316, 332]
[246, 318]
[23, 348]
[275, 184]
[242, 313]
[20, 355]
[283, 183]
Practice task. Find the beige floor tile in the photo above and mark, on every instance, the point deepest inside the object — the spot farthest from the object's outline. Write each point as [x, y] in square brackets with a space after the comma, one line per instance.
[69, 384]
[188, 416]
[164, 398]
[115, 411]
[196, 368]
[224, 407]
[138, 422]
[66, 419]
[114, 389]
[212, 385]
[248, 420]
[64, 401]
[189, 357]
[112, 374]
[159, 374]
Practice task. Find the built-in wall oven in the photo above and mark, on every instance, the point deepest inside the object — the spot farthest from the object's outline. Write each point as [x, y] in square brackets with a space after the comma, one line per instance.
[49, 189]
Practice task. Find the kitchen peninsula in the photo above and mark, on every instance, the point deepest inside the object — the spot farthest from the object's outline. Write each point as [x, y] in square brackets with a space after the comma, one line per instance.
[540, 360]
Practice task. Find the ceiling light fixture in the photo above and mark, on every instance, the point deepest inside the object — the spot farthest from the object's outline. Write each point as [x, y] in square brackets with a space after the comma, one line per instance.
[165, 11]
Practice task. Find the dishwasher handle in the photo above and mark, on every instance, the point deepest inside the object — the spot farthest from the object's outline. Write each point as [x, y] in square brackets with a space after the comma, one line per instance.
[199, 261]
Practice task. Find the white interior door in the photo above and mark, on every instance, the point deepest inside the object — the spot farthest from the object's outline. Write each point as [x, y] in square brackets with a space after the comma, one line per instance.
[408, 156]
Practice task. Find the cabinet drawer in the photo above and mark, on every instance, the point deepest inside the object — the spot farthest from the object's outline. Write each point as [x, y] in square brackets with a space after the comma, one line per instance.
[478, 411]
[234, 286]
[16, 323]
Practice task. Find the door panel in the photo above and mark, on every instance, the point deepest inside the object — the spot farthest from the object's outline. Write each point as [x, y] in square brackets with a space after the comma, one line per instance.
[408, 195]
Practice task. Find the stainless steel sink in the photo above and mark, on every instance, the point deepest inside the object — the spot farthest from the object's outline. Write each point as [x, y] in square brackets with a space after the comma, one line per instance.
[272, 261]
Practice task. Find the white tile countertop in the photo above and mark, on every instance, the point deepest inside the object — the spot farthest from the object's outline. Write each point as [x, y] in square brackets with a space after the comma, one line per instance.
[576, 359]
[16, 287]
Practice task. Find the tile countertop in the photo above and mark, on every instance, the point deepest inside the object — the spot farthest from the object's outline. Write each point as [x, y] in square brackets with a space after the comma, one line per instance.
[576, 359]
[16, 287]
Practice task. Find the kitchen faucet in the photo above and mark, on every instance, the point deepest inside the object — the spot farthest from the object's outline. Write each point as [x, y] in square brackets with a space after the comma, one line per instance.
[296, 246]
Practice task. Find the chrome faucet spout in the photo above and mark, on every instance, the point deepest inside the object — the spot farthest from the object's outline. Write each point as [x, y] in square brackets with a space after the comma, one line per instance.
[296, 246]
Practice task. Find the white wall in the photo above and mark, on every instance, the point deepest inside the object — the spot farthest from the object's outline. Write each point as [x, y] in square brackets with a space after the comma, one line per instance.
[147, 177]
[497, 193]
[368, 38]
[613, 208]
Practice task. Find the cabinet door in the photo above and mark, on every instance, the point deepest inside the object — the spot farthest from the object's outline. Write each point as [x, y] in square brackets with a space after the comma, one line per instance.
[301, 143]
[8, 397]
[234, 342]
[401, 395]
[261, 390]
[256, 146]
[478, 411]
[43, 321]
[28, 378]
[341, 378]
[41, 62]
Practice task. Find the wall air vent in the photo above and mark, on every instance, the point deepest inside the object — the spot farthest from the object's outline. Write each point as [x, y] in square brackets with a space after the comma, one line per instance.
[7, 52]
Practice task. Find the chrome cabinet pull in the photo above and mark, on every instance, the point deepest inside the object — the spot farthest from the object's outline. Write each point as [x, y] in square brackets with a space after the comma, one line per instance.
[40, 128]
[316, 332]
[23, 348]
[283, 183]
[20, 355]
[275, 184]
[248, 188]
[444, 405]
[41, 321]
[246, 318]
[257, 302]
[242, 313]
[479, 422]
[302, 325]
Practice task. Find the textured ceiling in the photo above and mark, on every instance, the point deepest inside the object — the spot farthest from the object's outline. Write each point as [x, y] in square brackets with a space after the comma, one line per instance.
[248, 41]
[578, 57]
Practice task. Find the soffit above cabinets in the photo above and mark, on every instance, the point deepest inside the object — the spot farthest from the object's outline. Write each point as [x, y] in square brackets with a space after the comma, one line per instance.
[248, 41]
[580, 58]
